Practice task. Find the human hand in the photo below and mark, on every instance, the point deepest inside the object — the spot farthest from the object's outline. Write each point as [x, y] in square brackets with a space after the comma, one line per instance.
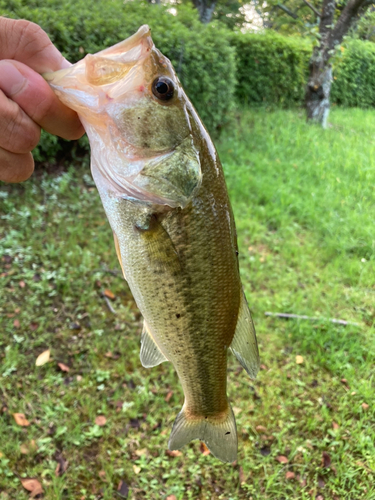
[27, 103]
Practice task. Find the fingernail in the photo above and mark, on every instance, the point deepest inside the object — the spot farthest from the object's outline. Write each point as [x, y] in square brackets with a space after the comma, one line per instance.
[11, 80]
[65, 64]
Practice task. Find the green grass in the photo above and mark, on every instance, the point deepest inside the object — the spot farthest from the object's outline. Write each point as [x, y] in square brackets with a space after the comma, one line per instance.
[304, 202]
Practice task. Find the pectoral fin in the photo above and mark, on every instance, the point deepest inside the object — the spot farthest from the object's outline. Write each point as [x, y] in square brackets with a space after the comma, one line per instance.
[244, 344]
[150, 352]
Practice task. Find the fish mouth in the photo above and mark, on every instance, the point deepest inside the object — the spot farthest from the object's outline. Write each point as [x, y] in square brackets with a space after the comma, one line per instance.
[108, 65]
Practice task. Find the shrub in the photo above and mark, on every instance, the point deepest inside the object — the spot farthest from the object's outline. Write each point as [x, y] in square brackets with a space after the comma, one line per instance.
[271, 68]
[354, 75]
[201, 54]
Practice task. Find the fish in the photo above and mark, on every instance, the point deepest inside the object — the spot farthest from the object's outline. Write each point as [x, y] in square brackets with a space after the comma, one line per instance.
[164, 193]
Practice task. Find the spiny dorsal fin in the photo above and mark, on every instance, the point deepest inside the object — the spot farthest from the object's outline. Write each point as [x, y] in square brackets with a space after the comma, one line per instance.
[244, 344]
[150, 352]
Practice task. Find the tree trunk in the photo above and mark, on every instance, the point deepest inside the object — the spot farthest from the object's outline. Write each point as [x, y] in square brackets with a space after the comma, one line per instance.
[206, 9]
[318, 92]
[320, 78]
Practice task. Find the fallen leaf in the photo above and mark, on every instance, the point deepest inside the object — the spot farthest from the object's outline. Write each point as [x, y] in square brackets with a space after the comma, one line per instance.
[79, 378]
[319, 497]
[365, 406]
[102, 474]
[282, 459]
[174, 453]
[326, 459]
[236, 410]
[75, 326]
[321, 482]
[109, 294]
[22, 284]
[241, 475]
[290, 475]
[16, 323]
[43, 358]
[100, 420]
[123, 489]
[136, 469]
[63, 367]
[343, 381]
[299, 359]
[61, 466]
[260, 428]
[265, 451]
[204, 449]
[32, 485]
[28, 447]
[168, 396]
[171, 497]
[335, 425]
[135, 423]
[141, 452]
[21, 419]
[24, 449]
[33, 326]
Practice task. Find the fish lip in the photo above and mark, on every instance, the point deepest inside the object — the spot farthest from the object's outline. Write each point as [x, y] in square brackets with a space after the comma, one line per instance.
[116, 52]
[125, 45]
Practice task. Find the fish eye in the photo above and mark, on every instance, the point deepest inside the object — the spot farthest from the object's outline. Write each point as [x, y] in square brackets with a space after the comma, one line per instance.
[163, 88]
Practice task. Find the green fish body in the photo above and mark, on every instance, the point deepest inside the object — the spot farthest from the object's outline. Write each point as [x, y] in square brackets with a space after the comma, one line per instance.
[164, 193]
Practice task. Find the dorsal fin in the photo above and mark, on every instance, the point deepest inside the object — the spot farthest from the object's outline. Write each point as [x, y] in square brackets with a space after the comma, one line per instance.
[244, 344]
[150, 353]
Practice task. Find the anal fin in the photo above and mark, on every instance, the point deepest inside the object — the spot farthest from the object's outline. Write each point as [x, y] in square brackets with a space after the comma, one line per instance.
[150, 352]
[244, 344]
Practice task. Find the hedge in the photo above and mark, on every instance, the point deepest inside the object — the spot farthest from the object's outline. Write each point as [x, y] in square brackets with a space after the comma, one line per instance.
[201, 54]
[354, 75]
[271, 68]
[217, 67]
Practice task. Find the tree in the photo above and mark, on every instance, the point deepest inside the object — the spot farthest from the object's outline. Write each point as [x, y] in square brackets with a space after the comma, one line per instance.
[227, 11]
[320, 68]
[331, 21]
[205, 9]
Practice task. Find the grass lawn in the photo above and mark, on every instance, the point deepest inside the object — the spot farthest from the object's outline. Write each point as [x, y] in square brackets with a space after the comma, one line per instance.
[304, 201]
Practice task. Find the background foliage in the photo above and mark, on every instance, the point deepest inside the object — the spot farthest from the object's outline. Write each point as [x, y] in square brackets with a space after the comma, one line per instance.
[271, 68]
[303, 200]
[354, 75]
[201, 54]
[219, 68]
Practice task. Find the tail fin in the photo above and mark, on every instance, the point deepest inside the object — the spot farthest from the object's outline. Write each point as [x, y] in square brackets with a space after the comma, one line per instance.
[220, 436]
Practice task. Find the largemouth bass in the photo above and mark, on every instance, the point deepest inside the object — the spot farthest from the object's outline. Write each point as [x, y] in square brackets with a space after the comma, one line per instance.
[163, 190]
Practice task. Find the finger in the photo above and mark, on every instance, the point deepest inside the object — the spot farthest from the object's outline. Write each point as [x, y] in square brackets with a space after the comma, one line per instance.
[15, 167]
[26, 42]
[36, 98]
[18, 133]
